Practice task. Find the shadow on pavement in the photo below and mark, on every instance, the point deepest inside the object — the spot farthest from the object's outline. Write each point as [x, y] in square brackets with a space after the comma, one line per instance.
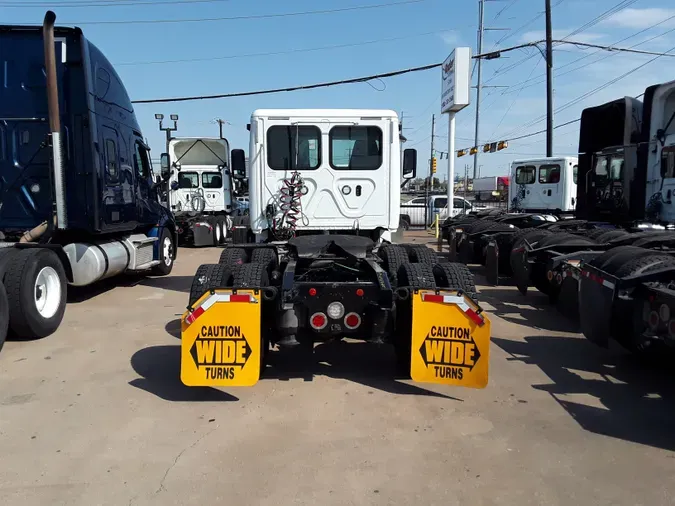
[369, 365]
[159, 368]
[78, 294]
[173, 328]
[533, 310]
[173, 283]
[635, 399]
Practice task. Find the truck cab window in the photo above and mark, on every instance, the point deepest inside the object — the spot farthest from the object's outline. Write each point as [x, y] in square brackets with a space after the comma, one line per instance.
[601, 170]
[525, 174]
[575, 173]
[188, 180]
[141, 161]
[440, 203]
[459, 204]
[355, 148]
[294, 147]
[549, 174]
[212, 180]
[111, 159]
[616, 168]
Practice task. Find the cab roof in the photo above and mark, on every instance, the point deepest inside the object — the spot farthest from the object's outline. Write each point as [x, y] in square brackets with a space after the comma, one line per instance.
[543, 159]
[324, 113]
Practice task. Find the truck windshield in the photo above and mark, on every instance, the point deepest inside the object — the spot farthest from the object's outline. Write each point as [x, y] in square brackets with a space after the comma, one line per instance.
[293, 147]
[356, 148]
[212, 180]
[200, 152]
[188, 180]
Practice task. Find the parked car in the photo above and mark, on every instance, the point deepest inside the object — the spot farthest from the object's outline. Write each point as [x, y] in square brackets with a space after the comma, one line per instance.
[413, 212]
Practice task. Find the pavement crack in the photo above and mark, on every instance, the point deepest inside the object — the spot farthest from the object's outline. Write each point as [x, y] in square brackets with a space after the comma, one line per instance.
[178, 457]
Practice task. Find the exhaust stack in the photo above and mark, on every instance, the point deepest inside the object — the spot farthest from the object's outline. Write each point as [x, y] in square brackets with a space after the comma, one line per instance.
[54, 119]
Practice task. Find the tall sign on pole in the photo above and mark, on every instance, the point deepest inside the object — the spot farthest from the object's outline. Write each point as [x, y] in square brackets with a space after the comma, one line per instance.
[455, 94]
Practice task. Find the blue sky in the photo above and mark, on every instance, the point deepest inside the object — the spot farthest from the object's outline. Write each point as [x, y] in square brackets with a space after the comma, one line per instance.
[425, 31]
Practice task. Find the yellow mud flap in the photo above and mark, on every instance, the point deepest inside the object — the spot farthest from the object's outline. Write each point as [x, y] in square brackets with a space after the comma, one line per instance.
[220, 340]
[450, 340]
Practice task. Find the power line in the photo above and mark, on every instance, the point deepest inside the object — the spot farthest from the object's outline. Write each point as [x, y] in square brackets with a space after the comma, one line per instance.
[596, 90]
[599, 51]
[105, 3]
[325, 84]
[248, 17]
[291, 88]
[277, 53]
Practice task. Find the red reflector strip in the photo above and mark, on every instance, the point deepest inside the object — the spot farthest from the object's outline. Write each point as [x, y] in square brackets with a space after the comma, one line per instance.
[215, 298]
[429, 297]
[475, 317]
[518, 250]
[240, 298]
[598, 279]
[458, 301]
[190, 319]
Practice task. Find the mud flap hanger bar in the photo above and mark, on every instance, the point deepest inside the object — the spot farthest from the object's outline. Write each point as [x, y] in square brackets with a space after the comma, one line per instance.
[268, 293]
[440, 296]
[614, 283]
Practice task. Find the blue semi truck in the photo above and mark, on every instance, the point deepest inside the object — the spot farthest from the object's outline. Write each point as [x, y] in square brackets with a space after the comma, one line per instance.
[78, 199]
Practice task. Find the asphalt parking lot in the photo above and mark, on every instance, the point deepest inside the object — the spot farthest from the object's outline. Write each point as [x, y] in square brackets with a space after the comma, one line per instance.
[96, 414]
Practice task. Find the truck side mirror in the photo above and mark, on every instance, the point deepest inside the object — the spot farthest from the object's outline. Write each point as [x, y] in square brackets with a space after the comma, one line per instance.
[409, 163]
[164, 164]
[238, 164]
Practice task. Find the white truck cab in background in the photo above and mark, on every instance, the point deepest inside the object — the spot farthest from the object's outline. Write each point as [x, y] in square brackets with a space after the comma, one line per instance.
[325, 171]
[544, 184]
[199, 188]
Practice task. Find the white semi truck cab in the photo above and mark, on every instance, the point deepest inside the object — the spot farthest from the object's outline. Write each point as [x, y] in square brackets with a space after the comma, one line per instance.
[199, 188]
[331, 171]
[544, 185]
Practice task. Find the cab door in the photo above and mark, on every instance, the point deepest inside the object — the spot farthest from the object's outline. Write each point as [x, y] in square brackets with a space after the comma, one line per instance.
[549, 186]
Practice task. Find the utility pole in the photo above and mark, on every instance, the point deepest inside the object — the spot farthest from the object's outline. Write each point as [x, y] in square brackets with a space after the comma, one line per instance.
[430, 181]
[479, 84]
[549, 81]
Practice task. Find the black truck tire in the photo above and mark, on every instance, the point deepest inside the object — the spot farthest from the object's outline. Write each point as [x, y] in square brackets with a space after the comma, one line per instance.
[455, 276]
[596, 232]
[167, 251]
[478, 226]
[209, 277]
[612, 260]
[233, 257]
[219, 230]
[4, 315]
[255, 275]
[36, 290]
[393, 256]
[416, 276]
[610, 235]
[266, 257]
[626, 322]
[420, 254]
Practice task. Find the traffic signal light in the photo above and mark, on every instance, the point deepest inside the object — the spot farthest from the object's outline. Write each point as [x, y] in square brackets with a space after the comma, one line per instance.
[433, 165]
[461, 152]
[502, 145]
[473, 151]
[486, 148]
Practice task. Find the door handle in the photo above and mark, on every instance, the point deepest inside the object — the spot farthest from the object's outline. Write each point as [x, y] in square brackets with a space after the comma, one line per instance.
[358, 190]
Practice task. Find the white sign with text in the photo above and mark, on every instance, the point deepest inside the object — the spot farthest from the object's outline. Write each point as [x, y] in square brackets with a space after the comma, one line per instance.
[456, 80]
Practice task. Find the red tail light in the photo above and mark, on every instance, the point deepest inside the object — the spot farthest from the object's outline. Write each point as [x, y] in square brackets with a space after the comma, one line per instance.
[318, 321]
[359, 292]
[352, 321]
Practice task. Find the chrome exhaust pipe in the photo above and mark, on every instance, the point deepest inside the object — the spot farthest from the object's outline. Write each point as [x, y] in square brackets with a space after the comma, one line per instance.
[54, 119]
